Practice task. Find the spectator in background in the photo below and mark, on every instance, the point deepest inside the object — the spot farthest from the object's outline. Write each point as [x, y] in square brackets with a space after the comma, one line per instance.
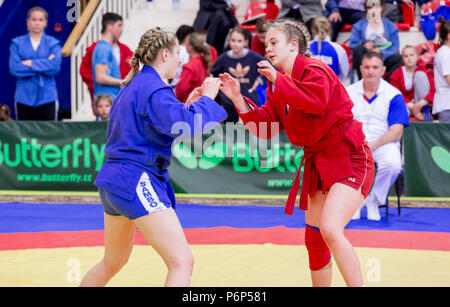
[416, 85]
[441, 105]
[302, 10]
[103, 104]
[392, 11]
[217, 18]
[341, 12]
[258, 40]
[241, 63]
[106, 57]
[182, 34]
[35, 59]
[197, 69]
[374, 33]
[324, 49]
[86, 71]
[5, 113]
[382, 110]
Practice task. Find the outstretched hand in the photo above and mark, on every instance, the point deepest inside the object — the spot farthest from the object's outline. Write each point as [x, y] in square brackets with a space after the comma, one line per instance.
[230, 86]
[210, 87]
[267, 70]
[194, 95]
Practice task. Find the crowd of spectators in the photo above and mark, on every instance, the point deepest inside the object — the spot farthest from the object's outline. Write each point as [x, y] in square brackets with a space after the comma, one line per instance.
[207, 48]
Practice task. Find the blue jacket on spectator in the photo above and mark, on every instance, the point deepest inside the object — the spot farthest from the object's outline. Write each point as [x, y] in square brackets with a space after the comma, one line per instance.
[357, 36]
[36, 85]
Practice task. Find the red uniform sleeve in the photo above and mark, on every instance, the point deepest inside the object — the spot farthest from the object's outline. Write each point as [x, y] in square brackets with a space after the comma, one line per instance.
[310, 94]
[262, 122]
[395, 79]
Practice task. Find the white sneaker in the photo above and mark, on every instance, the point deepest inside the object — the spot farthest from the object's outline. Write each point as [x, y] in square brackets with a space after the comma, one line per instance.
[373, 213]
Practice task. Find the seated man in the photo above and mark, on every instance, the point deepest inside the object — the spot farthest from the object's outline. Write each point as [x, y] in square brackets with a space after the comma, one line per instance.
[341, 12]
[382, 110]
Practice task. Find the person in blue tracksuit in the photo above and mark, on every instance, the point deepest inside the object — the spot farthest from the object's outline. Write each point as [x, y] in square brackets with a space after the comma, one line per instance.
[324, 49]
[35, 59]
[134, 182]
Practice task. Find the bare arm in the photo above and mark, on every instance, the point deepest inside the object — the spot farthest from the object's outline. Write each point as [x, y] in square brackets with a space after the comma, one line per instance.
[103, 78]
[394, 134]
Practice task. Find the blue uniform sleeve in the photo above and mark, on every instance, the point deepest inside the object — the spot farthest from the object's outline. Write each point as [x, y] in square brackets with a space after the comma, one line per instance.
[397, 112]
[49, 67]
[16, 67]
[173, 118]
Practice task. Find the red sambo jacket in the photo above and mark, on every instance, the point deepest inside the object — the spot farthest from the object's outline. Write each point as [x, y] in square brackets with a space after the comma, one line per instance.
[315, 110]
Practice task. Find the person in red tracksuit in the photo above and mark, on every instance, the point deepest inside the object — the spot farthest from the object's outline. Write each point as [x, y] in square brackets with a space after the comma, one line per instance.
[86, 66]
[309, 102]
[196, 70]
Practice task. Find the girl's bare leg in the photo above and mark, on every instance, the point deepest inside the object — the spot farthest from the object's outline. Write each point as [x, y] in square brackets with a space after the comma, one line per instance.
[163, 231]
[340, 204]
[119, 240]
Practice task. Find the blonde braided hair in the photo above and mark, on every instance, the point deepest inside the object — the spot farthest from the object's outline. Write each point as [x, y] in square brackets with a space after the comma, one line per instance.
[147, 51]
[323, 28]
[295, 30]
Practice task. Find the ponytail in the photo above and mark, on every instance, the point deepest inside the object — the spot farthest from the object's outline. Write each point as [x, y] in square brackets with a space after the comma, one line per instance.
[322, 26]
[198, 42]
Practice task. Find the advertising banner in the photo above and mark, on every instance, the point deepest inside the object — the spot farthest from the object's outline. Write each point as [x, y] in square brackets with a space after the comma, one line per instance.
[230, 160]
[55, 156]
[66, 156]
[427, 159]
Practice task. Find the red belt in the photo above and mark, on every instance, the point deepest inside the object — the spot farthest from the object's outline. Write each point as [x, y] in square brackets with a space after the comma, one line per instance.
[310, 174]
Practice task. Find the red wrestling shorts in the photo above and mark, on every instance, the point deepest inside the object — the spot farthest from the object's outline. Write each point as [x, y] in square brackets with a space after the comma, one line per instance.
[364, 170]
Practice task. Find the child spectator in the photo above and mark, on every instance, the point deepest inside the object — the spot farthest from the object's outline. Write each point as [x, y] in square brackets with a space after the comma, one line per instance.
[241, 63]
[416, 85]
[5, 113]
[327, 51]
[197, 69]
[103, 104]
[258, 40]
[378, 34]
[441, 105]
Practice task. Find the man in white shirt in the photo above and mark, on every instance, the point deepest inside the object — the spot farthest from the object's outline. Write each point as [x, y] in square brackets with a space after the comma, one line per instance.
[382, 110]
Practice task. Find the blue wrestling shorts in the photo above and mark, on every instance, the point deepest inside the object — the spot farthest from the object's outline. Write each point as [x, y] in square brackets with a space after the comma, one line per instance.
[151, 195]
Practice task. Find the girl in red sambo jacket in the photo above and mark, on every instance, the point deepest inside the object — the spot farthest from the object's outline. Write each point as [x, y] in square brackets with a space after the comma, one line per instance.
[309, 102]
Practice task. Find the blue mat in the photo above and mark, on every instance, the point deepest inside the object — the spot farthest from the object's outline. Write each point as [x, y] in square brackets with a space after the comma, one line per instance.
[23, 217]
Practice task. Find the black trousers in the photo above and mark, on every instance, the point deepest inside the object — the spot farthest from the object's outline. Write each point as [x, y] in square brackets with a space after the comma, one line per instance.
[348, 16]
[48, 111]
[219, 25]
